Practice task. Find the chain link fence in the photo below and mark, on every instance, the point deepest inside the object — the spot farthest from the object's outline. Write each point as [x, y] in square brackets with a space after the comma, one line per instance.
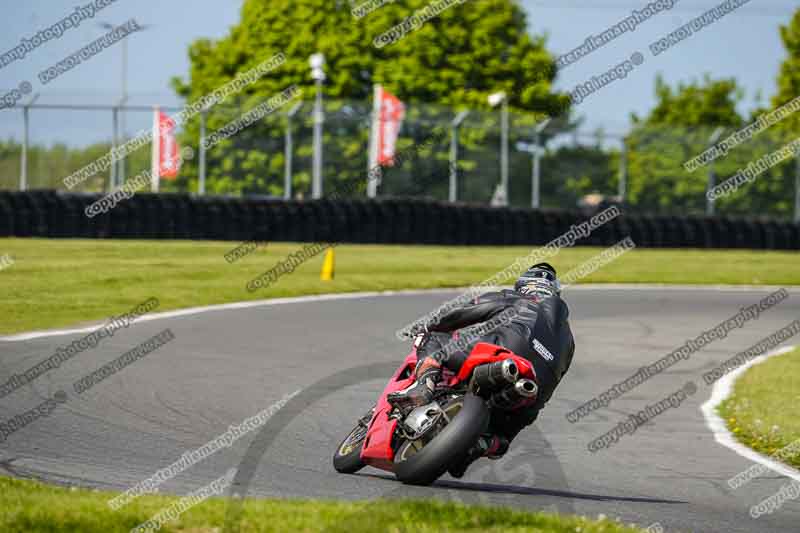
[644, 167]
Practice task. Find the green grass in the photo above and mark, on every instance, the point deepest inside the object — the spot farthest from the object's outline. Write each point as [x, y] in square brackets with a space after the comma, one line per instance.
[56, 283]
[763, 411]
[31, 507]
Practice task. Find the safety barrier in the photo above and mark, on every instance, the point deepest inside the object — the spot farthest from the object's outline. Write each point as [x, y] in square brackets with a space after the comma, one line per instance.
[383, 221]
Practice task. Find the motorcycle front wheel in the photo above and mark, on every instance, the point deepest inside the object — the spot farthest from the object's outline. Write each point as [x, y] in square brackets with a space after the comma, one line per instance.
[347, 459]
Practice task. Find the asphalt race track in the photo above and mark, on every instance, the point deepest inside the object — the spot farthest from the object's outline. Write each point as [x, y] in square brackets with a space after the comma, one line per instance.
[226, 365]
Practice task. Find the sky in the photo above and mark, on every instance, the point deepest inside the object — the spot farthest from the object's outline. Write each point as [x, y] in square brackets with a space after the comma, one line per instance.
[745, 45]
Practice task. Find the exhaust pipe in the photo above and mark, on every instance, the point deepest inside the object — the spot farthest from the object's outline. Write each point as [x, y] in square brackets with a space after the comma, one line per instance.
[526, 388]
[510, 396]
[497, 375]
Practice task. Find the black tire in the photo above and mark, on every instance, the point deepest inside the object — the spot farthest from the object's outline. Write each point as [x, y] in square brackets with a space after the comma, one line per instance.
[427, 465]
[350, 461]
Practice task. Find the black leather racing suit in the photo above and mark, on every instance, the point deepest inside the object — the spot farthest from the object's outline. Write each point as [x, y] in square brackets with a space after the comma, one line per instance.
[538, 331]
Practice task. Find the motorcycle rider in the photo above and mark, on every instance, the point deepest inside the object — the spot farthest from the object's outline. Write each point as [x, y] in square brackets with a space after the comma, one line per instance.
[538, 331]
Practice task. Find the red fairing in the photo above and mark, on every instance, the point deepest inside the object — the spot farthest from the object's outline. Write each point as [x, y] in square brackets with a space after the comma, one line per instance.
[484, 353]
[377, 450]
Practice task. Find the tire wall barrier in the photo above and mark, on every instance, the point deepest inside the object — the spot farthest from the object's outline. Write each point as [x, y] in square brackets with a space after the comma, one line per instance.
[384, 221]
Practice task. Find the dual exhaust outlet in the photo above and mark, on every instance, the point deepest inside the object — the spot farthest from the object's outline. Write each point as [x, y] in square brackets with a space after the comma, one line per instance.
[501, 383]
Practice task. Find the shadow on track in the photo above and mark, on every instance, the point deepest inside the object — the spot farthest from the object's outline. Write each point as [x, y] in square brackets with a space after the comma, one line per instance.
[529, 491]
[505, 470]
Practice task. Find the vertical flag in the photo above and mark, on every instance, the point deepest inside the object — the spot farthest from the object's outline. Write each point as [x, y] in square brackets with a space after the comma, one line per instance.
[392, 113]
[165, 161]
[387, 119]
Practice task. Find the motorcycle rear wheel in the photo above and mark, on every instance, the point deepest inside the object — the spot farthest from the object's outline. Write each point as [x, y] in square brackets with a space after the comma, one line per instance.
[423, 466]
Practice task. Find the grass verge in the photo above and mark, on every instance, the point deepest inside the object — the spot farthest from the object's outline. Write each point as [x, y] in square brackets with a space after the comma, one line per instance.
[31, 507]
[763, 412]
[55, 283]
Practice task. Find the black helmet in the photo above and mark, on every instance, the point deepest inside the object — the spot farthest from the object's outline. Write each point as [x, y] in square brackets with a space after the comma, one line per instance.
[539, 280]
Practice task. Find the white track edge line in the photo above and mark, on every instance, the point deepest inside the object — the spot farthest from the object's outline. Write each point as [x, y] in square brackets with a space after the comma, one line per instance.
[721, 390]
[216, 307]
[671, 287]
[371, 294]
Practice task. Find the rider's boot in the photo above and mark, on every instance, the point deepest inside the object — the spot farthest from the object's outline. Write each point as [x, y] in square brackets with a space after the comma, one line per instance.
[491, 446]
[429, 373]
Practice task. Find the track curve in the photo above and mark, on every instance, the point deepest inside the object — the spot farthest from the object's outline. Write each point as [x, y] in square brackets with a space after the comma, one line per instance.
[228, 364]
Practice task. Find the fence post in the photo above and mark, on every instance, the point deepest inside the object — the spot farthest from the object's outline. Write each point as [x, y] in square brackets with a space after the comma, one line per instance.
[115, 127]
[289, 152]
[797, 190]
[288, 149]
[318, 74]
[155, 155]
[454, 125]
[501, 99]
[453, 189]
[374, 170]
[201, 171]
[121, 172]
[623, 171]
[536, 178]
[538, 151]
[504, 150]
[23, 176]
[712, 177]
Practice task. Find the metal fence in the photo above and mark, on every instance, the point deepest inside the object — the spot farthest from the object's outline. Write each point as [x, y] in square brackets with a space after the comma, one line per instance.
[556, 166]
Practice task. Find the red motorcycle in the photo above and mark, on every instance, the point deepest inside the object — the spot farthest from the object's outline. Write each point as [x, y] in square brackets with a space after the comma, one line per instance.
[420, 444]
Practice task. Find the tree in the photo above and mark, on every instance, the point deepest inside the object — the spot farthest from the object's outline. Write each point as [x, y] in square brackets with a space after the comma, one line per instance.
[789, 76]
[454, 60]
[676, 130]
[711, 103]
[47, 166]
[774, 191]
[575, 171]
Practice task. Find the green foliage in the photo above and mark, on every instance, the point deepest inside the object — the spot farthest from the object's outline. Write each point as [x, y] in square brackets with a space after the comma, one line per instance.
[32, 507]
[453, 61]
[678, 129]
[710, 104]
[575, 171]
[773, 192]
[762, 411]
[789, 76]
[48, 166]
[108, 277]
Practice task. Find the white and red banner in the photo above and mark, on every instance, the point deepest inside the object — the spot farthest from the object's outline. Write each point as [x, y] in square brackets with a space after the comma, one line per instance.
[387, 119]
[166, 161]
[392, 112]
